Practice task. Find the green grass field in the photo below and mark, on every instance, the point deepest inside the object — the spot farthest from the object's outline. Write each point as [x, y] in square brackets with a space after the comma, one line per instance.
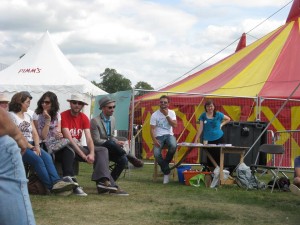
[174, 203]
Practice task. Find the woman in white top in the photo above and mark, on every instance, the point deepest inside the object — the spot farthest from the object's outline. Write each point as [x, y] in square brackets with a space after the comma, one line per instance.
[39, 159]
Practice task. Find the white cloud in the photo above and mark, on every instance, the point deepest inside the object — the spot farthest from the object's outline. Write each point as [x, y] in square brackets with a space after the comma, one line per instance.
[153, 41]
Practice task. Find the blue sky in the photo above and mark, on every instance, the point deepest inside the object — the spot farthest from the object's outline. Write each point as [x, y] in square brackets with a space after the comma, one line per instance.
[145, 40]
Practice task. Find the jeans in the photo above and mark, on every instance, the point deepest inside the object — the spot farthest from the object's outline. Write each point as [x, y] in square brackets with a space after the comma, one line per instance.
[118, 155]
[15, 206]
[170, 141]
[43, 166]
[296, 164]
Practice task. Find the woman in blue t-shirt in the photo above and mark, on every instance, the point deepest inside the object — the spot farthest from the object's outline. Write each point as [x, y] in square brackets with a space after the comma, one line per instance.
[211, 123]
[210, 128]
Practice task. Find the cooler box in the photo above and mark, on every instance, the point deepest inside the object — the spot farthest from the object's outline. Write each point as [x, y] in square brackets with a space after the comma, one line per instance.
[180, 171]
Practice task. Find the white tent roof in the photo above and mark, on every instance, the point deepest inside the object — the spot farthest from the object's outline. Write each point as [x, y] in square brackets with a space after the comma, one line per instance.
[45, 68]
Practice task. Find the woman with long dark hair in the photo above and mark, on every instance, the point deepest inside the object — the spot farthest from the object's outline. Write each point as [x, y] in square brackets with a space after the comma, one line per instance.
[47, 121]
[36, 157]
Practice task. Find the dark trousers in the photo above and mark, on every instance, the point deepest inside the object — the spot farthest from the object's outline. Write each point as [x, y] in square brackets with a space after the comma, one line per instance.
[100, 166]
[66, 157]
[116, 154]
[215, 154]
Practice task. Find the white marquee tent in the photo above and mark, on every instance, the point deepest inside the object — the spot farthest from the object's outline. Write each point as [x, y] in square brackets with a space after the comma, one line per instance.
[45, 68]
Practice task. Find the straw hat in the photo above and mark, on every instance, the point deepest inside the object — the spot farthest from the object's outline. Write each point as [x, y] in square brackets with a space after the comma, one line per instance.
[77, 97]
[3, 98]
[105, 101]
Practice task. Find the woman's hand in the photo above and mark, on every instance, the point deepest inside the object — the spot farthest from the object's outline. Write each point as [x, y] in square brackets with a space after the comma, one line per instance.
[58, 135]
[36, 149]
[46, 115]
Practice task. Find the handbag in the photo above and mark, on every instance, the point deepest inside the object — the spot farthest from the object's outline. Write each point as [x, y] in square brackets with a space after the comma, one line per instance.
[35, 186]
[53, 145]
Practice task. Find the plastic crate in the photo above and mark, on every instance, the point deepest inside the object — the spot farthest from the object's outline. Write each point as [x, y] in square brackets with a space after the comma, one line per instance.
[188, 174]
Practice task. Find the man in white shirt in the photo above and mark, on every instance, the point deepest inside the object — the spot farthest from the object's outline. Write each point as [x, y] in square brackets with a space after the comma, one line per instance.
[162, 122]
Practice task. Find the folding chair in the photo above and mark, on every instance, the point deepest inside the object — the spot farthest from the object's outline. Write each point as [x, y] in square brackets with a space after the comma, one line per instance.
[269, 149]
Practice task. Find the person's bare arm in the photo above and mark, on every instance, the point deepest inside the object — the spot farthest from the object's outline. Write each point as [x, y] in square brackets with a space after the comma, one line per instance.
[226, 120]
[36, 140]
[66, 133]
[199, 132]
[7, 127]
[152, 132]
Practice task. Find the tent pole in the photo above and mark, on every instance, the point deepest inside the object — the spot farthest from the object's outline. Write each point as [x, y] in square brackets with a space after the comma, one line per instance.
[132, 138]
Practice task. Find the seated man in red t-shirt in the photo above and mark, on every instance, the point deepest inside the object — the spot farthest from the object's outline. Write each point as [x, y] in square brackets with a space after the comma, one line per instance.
[73, 124]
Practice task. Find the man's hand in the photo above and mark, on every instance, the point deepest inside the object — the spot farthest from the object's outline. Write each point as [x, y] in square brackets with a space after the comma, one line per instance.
[121, 143]
[156, 143]
[90, 158]
[164, 111]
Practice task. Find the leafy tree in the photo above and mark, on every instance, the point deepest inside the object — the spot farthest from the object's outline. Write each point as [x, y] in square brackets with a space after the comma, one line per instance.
[142, 85]
[112, 81]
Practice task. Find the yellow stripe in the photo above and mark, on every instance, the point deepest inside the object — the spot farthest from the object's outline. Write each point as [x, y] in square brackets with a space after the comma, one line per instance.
[219, 68]
[216, 70]
[250, 81]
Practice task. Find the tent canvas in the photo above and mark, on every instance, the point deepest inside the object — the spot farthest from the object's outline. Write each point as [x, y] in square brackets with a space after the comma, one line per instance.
[268, 67]
[267, 70]
[45, 68]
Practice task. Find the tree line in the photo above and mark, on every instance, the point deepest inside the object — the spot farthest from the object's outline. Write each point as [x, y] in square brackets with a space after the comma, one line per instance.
[112, 82]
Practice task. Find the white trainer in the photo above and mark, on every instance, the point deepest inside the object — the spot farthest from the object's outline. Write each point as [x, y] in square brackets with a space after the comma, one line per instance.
[79, 191]
[294, 189]
[166, 179]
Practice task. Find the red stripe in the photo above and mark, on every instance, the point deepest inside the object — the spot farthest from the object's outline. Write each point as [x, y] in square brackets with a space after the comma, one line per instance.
[229, 74]
[285, 74]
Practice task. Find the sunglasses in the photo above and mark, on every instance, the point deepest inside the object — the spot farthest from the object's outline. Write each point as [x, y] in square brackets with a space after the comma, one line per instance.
[46, 102]
[76, 103]
[163, 102]
[111, 107]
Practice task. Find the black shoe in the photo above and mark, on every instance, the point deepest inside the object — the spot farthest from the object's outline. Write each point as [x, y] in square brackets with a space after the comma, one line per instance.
[119, 192]
[135, 161]
[105, 186]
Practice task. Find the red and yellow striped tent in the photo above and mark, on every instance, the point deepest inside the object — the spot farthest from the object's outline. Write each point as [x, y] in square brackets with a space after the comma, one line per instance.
[268, 69]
